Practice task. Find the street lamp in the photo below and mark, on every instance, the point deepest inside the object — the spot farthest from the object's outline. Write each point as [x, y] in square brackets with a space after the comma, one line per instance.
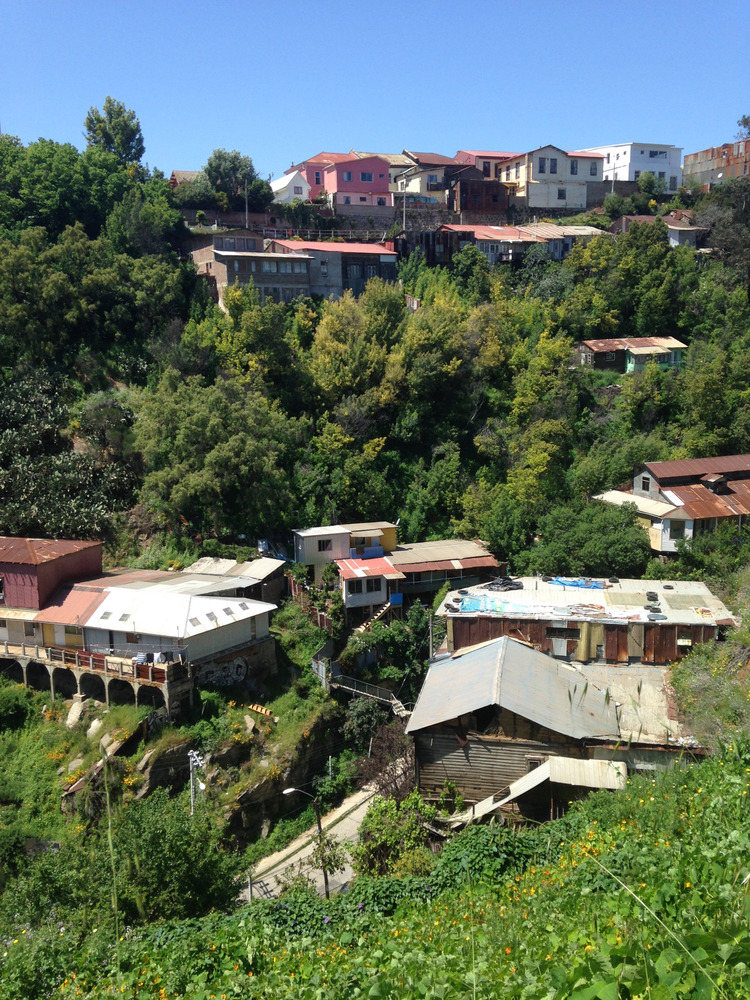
[316, 807]
[196, 761]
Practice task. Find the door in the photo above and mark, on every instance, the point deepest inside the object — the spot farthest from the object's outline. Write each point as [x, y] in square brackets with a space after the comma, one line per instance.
[48, 635]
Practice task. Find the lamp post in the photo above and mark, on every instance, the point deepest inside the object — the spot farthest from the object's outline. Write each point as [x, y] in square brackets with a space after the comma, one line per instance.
[316, 807]
[195, 761]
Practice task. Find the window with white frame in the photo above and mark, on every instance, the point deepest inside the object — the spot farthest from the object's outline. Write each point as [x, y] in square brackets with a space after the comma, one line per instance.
[269, 267]
[374, 585]
[300, 266]
[285, 267]
[298, 189]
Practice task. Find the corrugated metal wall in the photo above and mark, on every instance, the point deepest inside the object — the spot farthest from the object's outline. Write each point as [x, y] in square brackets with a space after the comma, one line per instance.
[480, 768]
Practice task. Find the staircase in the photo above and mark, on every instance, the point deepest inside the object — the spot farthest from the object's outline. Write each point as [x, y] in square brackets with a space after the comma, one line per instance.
[381, 613]
[366, 690]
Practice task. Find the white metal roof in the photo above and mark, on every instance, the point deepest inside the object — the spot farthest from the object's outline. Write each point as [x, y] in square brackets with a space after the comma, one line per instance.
[331, 529]
[512, 675]
[571, 771]
[174, 614]
[644, 505]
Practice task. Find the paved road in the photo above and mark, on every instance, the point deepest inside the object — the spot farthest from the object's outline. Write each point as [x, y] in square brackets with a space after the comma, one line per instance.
[342, 823]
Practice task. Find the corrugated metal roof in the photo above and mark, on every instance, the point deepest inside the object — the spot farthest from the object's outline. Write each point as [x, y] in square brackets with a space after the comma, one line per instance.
[365, 526]
[330, 529]
[34, 551]
[246, 572]
[636, 345]
[514, 676]
[19, 614]
[71, 606]
[698, 466]
[361, 248]
[171, 614]
[427, 554]
[358, 569]
[570, 771]
[644, 505]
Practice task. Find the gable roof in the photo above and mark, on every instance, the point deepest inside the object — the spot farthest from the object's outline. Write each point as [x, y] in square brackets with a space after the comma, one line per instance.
[512, 675]
[35, 551]
[699, 466]
[431, 159]
[330, 247]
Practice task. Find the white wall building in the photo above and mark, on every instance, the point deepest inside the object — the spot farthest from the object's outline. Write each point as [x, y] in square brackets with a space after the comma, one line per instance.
[628, 160]
[290, 186]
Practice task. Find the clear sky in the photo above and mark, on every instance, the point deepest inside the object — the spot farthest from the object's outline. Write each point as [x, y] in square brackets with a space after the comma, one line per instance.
[283, 80]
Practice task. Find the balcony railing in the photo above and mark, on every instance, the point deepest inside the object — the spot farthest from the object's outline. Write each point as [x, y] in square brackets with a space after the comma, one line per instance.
[101, 663]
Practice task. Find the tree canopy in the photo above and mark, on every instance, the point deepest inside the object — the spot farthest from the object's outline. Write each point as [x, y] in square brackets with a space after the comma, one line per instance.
[115, 129]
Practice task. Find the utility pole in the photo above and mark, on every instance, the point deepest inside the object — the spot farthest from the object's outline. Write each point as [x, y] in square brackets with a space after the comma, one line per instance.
[246, 225]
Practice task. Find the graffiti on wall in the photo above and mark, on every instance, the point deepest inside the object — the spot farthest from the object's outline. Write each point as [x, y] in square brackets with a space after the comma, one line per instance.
[224, 674]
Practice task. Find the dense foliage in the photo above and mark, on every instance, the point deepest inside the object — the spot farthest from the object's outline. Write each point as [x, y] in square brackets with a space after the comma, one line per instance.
[636, 893]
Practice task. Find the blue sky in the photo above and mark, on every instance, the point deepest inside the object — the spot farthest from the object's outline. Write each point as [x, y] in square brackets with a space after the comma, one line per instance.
[282, 80]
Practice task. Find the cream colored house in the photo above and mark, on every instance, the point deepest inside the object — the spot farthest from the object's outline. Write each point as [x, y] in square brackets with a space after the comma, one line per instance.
[551, 178]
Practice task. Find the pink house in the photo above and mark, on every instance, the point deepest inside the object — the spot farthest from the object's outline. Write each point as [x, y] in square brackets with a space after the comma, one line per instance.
[356, 181]
[314, 170]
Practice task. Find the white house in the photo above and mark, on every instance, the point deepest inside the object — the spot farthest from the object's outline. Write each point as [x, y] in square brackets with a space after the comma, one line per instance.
[551, 178]
[290, 186]
[628, 160]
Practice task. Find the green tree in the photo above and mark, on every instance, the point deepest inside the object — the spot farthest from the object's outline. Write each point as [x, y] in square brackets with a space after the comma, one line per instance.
[393, 837]
[116, 129]
[231, 174]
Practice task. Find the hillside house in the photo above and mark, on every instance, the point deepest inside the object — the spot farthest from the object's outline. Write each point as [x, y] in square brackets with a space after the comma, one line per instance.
[681, 231]
[717, 164]
[631, 354]
[358, 181]
[313, 171]
[551, 179]
[499, 712]
[681, 499]
[31, 569]
[335, 268]
[629, 621]
[237, 256]
[490, 163]
[290, 187]
[626, 161]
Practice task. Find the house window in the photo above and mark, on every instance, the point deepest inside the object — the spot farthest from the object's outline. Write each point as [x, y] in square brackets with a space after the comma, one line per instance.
[2, 589]
[371, 271]
[318, 178]
[673, 181]
[662, 175]
[609, 355]
[518, 170]
[365, 177]
[300, 267]
[636, 175]
[432, 179]
[240, 244]
[269, 267]
[573, 167]
[561, 194]
[542, 164]
[355, 586]
[3, 623]
[347, 200]
[298, 189]
[592, 170]
[507, 173]
[553, 164]
[324, 268]
[229, 243]
[646, 484]
[325, 544]
[363, 197]
[381, 202]
[354, 271]
[607, 157]
[676, 530]
[285, 267]
[69, 630]
[28, 630]
[374, 586]
[660, 154]
[559, 632]
[236, 267]
[346, 175]
[218, 242]
[486, 168]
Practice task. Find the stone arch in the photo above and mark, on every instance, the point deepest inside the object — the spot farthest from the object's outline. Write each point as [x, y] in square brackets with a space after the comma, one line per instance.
[93, 686]
[148, 694]
[121, 692]
[38, 677]
[65, 681]
[12, 670]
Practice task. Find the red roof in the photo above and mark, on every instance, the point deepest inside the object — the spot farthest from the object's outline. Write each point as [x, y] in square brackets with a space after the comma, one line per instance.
[358, 569]
[371, 248]
[432, 158]
[496, 233]
[463, 154]
[34, 551]
[475, 562]
[71, 605]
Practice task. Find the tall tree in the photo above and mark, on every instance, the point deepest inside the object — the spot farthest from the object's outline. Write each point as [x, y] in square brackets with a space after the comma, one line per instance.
[229, 172]
[115, 129]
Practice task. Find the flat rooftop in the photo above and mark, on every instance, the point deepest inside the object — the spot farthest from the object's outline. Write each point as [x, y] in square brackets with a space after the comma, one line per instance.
[682, 602]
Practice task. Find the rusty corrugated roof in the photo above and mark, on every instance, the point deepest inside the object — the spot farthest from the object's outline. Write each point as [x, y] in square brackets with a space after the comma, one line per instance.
[698, 466]
[34, 551]
[71, 606]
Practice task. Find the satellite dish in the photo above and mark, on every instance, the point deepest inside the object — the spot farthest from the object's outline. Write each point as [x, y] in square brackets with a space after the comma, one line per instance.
[719, 176]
